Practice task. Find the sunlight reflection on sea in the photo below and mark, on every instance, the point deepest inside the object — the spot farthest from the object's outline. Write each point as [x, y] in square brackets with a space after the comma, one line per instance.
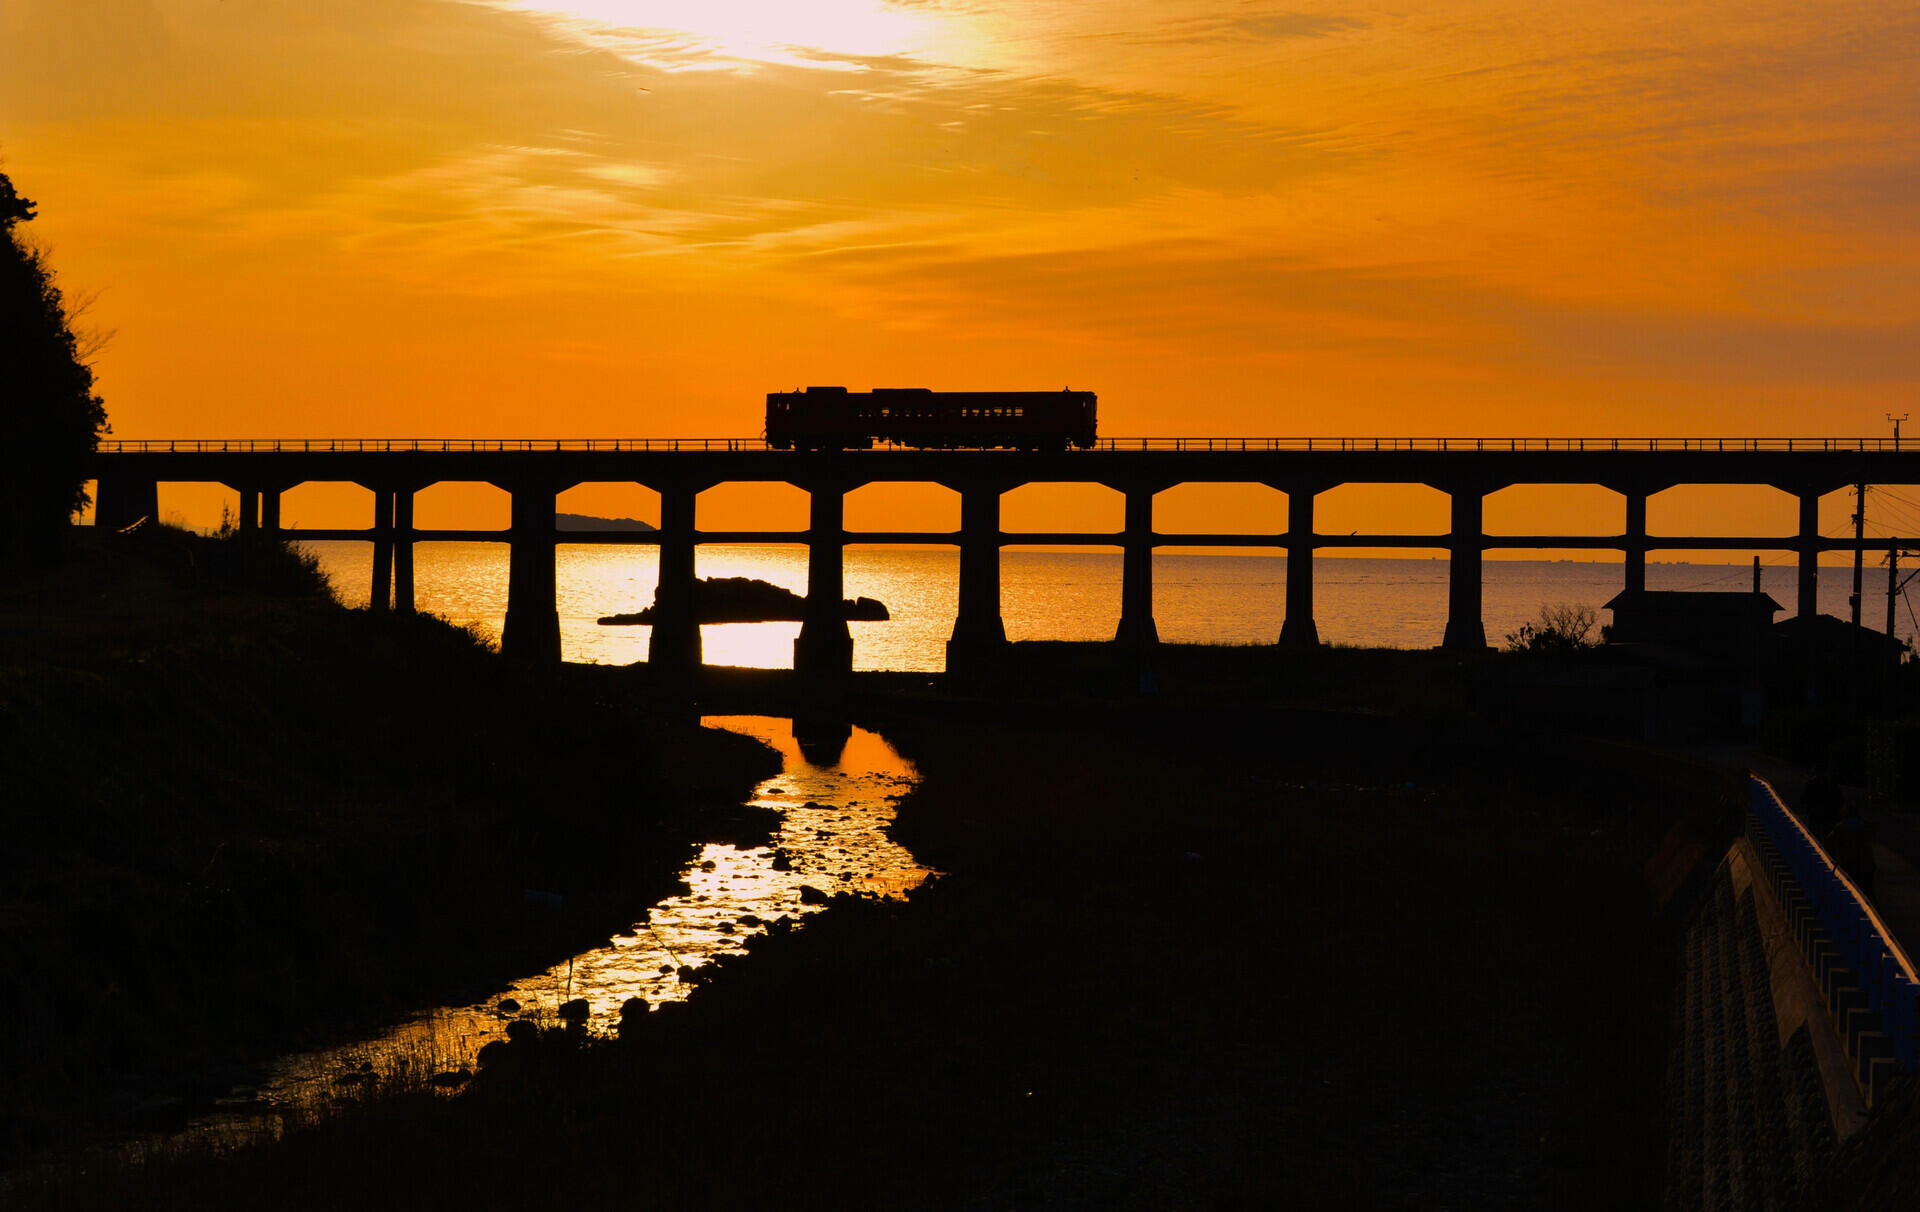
[1045, 595]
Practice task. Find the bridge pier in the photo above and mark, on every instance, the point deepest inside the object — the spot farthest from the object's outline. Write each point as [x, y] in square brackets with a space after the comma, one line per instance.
[1635, 552]
[270, 511]
[979, 634]
[825, 645]
[402, 549]
[1297, 629]
[380, 595]
[1808, 604]
[249, 518]
[673, 646]
[1466, 632]
[120, 501]
[1136, 571]
[532, 629]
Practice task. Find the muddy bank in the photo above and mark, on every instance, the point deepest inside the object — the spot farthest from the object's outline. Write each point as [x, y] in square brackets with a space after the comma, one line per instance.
[238, 824]
[1175, 963]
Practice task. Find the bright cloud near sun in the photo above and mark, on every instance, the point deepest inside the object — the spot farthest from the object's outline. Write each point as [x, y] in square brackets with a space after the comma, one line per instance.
[747, 31]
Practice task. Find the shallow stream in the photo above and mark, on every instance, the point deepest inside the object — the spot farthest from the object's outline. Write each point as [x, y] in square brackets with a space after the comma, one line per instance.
[835, 794]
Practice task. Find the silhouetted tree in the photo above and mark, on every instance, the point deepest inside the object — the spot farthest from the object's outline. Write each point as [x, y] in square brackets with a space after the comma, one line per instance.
[1562, 628]
[50, 418]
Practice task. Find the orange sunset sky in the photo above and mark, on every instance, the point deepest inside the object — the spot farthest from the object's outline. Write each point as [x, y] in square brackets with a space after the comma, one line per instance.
[623, 218]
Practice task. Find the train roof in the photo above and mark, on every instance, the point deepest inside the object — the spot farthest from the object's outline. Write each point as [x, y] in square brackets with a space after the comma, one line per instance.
[928, 392]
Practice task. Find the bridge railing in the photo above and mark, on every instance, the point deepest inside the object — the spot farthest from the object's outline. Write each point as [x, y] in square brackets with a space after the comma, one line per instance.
[1850, 445]
[1852, 949]
[408, 445]
[490, 445]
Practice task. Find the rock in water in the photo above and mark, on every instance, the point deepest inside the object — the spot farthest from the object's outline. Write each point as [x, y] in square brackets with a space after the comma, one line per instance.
[747, 600]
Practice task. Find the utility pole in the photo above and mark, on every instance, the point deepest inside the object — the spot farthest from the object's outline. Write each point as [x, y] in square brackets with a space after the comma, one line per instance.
[1859, 545]
[1896, 427]
[1893, 584]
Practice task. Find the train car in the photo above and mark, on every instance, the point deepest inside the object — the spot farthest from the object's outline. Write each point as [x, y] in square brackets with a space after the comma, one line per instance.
[833, 418]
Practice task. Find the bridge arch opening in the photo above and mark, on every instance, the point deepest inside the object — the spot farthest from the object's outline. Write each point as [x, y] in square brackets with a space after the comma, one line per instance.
[1720, 511]
[1056, 593]
[1068, 591]
[1220, 593]
[903, 506]
[1520, 584]
[595, 579]
[752, 505]
[1048, 507]
[464, 582]
[767, 645]
[918, 583]
[326, 505]
[1379, 509]
[1354, 583]
[1571, 510]
[614, 501]
[1224, 508]
[462, 505]
[196, 505]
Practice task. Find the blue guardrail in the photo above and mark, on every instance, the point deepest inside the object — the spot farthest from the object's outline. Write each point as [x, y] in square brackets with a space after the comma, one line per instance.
[1868, 982]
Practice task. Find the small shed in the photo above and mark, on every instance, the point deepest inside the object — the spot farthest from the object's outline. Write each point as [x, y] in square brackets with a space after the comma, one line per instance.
[1734, 625]
[1829, 660]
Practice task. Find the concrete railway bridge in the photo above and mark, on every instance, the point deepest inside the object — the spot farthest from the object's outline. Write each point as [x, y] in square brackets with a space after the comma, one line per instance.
[534, 473]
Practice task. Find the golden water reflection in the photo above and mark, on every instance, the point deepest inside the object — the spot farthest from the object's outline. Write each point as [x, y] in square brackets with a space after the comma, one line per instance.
[836, 794]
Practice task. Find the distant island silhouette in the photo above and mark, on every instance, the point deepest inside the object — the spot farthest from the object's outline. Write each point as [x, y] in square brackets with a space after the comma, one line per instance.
[746, 600]
[586, 521]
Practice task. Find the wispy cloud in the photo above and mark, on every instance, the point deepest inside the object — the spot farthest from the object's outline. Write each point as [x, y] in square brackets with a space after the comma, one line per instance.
[1244, 28]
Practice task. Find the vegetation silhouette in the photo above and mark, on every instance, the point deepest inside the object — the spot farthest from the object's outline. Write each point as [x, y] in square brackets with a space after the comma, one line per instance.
[1562, 627]
[50, 416]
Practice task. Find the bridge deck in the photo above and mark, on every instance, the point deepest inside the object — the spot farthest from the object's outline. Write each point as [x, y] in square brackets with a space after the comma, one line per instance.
[535, 472]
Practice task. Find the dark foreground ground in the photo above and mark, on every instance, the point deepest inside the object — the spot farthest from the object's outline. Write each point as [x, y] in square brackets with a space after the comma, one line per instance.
[1235, 945]
[1204, 961]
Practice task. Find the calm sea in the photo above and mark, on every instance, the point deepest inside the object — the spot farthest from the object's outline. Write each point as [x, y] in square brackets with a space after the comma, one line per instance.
[1046, 595]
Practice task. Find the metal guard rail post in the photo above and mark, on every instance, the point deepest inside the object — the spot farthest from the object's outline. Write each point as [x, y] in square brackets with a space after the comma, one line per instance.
[1865, 944]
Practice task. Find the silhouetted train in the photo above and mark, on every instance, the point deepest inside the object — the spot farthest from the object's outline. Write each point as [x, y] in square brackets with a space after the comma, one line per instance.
[833, 418]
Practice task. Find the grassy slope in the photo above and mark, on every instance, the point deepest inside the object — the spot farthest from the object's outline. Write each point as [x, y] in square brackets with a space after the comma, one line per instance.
[237, 822]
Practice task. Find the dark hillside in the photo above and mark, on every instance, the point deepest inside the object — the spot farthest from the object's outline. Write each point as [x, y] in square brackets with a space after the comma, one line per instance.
[236, 821]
